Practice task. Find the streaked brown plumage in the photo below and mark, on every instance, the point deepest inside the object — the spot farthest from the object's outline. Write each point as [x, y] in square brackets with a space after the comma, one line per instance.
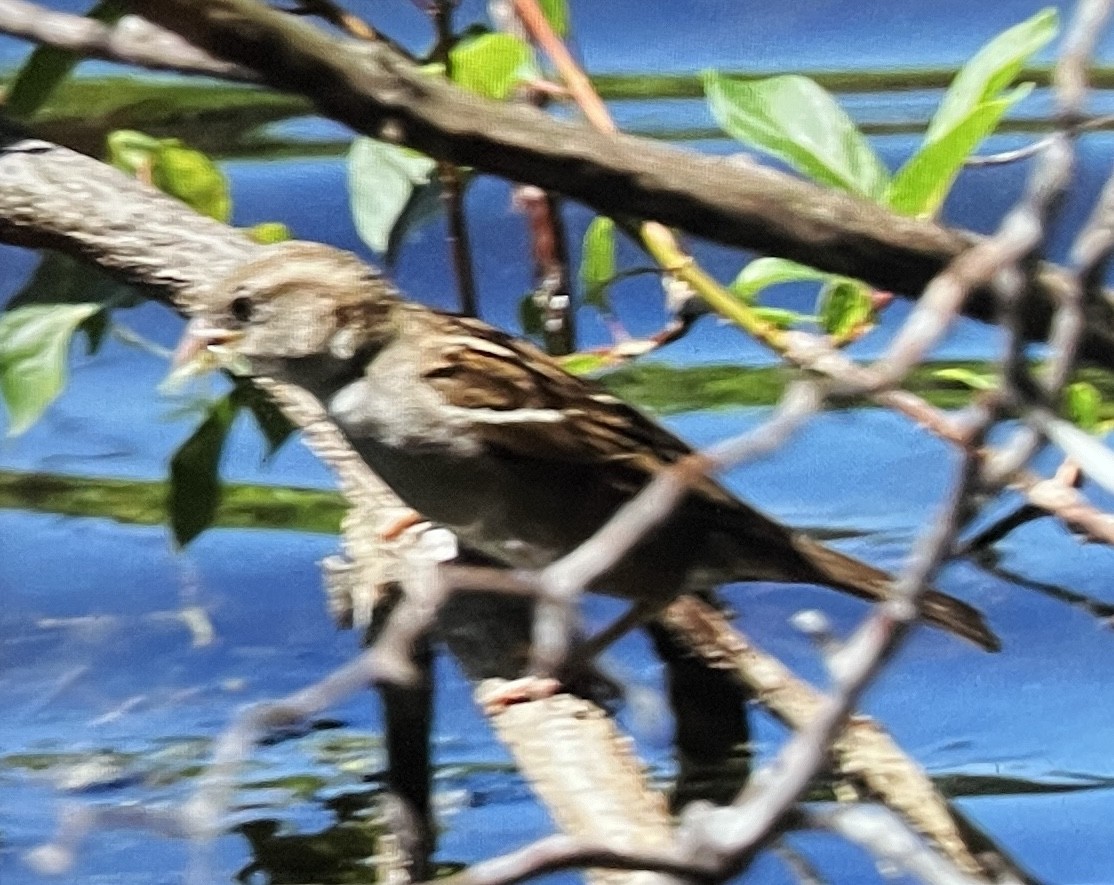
[489, 436]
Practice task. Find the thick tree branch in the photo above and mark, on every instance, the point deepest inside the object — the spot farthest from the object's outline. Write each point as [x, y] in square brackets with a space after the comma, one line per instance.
[377, 92]
[52, 197]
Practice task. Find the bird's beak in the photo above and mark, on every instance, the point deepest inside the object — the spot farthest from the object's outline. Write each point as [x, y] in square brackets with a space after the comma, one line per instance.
[200, 338]
[199, 351]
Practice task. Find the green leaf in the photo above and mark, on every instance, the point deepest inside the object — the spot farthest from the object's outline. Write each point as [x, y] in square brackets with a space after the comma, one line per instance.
[844, 306]
[597, 261]
[967, 377]
[585, 363]
[970, 110]
[557, 14]
[797, 121]
[267, 233]
[491, 65]
[781, 317]
[921, 185]
[34, 344]
[382, 179]
[96, 329]
[48, 66]
[423, 206]
[60, 279]
[1082, 405]
[175, 169]
[131, 151]
[991, 70]
[765, 272]
[195, 486]
[273, 424]
[194, 179]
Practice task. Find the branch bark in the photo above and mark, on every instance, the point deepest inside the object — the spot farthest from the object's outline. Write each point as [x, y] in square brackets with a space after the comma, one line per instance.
[131, 40]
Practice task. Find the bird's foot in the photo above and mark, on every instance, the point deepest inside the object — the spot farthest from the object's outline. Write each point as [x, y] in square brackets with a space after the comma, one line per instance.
[496, 695]
[395, 530]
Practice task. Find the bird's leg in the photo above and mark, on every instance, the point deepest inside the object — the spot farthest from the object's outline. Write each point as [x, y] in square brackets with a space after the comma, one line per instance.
[395, 530]
[497, 694]
[408, 725]
[711, 734]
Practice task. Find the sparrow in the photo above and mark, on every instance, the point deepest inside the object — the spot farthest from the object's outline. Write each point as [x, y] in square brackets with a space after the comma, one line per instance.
[488, 436]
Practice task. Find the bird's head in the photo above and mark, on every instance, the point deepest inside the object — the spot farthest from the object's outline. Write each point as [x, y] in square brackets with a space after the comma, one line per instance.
[299, 304]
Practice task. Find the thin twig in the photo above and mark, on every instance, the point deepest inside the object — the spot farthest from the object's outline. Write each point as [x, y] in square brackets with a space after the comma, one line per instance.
[348, 22]
[1031, 150]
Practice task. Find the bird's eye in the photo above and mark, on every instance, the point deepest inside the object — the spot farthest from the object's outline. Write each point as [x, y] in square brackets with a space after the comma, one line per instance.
[241, 309]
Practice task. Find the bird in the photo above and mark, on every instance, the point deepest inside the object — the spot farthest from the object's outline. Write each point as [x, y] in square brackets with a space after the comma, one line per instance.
[489, 436]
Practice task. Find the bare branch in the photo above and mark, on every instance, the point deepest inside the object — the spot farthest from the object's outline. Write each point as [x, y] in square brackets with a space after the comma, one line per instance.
[564, 852]
[132, 40]
[864, 753]
[734, 835]
[889, 839]
[1069, 78]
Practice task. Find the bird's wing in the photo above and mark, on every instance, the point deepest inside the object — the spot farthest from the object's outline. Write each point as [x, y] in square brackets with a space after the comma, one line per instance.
[521, 401]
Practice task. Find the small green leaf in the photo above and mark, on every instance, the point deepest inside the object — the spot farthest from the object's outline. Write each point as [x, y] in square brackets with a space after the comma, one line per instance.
[491, 65]
[194, 179]
[267, 233]
[967, 377]
[382, 179]
[48, 66]
[96, 329]
[34, 344]
[584, 363]
[423, 206]
[272, 422]
[1082, 405]
[844, 307]
[782, 318]
[991, 70]
[797, 121]
[530, 315]
[557, 14]
[597, 261]
[765, 272]
[175, 169]
[131, 151]
[970, 110]
[195, 486]
[921, 185]
[60, 279]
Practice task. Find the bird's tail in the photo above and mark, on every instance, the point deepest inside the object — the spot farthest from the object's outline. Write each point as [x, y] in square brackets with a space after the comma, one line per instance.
[837, 570]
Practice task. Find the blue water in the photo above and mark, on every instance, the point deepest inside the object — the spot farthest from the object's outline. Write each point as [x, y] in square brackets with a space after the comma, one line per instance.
[97, 662]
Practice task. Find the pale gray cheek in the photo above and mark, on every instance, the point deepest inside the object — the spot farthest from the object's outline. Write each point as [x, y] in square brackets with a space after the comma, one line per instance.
[251, 364]
[409, 417]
